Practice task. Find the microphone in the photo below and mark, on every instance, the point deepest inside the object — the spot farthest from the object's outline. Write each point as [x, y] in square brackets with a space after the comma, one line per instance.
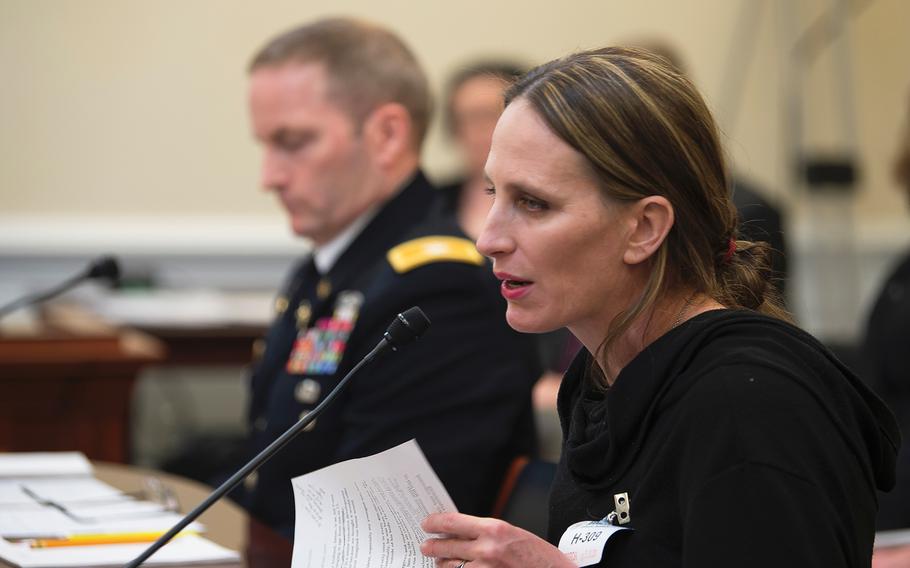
[103, 268]
[406, 327]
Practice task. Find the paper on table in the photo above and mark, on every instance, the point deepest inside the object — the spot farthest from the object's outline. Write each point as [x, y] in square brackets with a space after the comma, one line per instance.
[63, 489]
[30, 464]
[50, 522]
[366, 513]
[187, 549]
[81, 505]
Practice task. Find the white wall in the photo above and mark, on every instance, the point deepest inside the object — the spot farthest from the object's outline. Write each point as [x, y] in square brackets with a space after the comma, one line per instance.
[123, 123]
[131, 107]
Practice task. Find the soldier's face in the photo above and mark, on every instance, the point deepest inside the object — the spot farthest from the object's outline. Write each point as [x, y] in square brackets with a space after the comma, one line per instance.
[314, 158]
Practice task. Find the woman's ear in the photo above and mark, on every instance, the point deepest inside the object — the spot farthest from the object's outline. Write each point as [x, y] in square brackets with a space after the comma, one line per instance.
[652, 219]
[388, 132]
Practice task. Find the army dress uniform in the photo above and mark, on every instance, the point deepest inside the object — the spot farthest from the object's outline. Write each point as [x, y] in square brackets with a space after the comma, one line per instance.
[463, 390]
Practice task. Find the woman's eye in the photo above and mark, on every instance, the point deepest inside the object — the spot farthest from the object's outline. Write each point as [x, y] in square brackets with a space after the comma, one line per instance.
[491, 191]
[533, 205]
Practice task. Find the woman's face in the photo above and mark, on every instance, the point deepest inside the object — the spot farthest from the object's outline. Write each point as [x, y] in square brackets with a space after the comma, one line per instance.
[556, 242]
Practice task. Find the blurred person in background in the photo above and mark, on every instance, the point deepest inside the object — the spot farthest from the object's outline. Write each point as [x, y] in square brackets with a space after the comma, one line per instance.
[340, 108]
[886, 355]
[473, 103]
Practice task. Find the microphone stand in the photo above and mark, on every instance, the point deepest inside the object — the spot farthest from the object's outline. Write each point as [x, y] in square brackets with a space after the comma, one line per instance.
[104, 267]
[42, 296]
[390, 340]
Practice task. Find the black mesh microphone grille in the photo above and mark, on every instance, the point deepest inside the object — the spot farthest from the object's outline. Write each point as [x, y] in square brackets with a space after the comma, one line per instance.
[104, 267]
[407, 326]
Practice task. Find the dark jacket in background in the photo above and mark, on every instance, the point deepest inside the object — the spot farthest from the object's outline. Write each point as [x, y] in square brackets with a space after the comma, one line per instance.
[886, 356]
[759, 220]
[462, 390]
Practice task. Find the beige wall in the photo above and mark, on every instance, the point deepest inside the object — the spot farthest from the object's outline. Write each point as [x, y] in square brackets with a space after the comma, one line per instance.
[122, 108]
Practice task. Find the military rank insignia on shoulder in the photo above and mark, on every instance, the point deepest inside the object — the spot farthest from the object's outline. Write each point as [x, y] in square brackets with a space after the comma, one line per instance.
[426, 250]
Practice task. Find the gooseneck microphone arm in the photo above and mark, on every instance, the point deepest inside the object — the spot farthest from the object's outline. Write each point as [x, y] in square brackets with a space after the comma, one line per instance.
[105, 267]
[406, 327]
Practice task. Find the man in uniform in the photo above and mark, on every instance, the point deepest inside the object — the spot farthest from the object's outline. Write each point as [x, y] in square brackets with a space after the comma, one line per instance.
[340, 108]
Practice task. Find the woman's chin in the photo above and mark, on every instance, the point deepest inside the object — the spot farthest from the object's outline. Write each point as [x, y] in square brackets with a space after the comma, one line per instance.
[525, 323]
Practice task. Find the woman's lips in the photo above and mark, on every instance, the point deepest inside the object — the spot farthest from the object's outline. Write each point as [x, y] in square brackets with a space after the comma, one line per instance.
[513, 287]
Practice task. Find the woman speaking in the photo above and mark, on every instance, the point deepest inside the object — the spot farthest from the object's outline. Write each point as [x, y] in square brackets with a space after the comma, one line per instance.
[700, 428]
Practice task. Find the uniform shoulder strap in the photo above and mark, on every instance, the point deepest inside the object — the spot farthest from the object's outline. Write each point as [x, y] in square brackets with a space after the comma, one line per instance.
[426, 250]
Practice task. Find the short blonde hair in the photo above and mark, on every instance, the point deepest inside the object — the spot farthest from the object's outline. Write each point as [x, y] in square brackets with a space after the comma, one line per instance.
[367, 66]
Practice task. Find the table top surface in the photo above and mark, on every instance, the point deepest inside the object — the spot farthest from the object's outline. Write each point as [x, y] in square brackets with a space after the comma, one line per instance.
[226, 523]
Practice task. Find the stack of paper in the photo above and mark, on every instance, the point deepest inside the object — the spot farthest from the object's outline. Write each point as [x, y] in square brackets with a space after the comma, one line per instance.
[183, 550]
[55, 513]
[41, 464]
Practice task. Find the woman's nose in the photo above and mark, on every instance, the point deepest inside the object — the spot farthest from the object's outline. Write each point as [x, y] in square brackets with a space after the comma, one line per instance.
[494, 239]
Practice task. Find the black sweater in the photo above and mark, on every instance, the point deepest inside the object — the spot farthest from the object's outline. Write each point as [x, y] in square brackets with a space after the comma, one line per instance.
[740, 440]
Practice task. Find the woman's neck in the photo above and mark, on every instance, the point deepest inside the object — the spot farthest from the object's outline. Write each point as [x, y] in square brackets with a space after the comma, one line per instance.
[675, 309]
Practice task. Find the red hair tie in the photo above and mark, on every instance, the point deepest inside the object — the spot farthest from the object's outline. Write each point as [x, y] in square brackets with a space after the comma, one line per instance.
[731, 250]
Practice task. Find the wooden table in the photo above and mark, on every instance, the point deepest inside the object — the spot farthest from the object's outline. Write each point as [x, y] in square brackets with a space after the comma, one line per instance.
[226, 523]
[207, 345]
[67, 384]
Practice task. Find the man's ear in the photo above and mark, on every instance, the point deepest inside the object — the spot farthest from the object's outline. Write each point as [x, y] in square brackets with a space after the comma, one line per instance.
[651, 221]
[388, 132]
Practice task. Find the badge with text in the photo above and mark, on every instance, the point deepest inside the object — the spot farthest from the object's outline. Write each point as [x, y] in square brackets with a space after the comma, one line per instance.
[318, 350]
[583, 543]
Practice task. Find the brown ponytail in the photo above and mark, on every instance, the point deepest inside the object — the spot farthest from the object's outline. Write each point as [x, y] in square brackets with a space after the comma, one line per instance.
[746, 280]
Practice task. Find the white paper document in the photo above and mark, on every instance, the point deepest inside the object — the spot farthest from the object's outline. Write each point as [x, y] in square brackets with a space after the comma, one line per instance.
[62, 489]
[50, 523]
[62, 506]
[366, 513]
[53, 495]
[183, 550]
[32, 464]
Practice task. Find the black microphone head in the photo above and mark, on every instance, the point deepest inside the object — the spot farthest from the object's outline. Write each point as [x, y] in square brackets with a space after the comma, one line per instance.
[105, 267]
[406, 327]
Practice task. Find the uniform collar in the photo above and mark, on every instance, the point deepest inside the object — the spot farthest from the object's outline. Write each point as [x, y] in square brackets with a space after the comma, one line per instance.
[393, 220]
[325, 256]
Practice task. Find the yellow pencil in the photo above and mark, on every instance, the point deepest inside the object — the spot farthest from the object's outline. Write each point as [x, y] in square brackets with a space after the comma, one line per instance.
[94, 539]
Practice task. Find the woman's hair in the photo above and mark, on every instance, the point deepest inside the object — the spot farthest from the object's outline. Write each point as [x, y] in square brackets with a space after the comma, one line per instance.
[645, 130]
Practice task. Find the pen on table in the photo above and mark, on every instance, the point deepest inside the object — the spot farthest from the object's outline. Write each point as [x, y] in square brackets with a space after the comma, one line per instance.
[96, 539]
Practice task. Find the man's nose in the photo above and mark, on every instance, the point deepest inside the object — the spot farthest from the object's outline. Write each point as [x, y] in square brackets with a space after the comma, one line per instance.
[274, 174]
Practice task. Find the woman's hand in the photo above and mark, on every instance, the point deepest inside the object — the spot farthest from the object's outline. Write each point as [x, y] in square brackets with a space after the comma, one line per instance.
[487, 543]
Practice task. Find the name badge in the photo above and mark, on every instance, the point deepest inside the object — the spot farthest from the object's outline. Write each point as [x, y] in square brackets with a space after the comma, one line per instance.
[583, 543]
